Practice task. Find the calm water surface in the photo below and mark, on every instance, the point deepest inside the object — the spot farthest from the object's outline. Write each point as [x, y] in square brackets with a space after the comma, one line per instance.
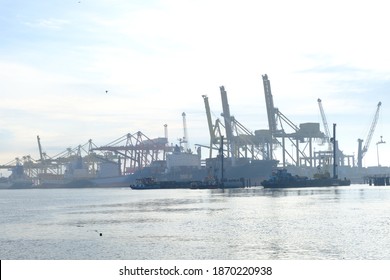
[254, 223]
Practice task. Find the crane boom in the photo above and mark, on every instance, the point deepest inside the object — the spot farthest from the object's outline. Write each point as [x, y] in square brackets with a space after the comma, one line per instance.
[269, 102]
[324, 121]
[40, 148]
[363, 151]
[228, 123]
[209, 120]
[372, 128]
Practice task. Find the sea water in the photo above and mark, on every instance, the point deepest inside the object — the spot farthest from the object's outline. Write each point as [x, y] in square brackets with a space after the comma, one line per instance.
[252, 223]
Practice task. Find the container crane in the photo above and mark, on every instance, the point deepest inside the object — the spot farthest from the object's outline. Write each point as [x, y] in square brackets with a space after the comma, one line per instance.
[242, 143]
[275, 118]
[274, 115]
[363, 151]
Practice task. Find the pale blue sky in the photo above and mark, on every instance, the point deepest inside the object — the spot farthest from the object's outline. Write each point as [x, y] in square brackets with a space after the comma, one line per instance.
[157, 58]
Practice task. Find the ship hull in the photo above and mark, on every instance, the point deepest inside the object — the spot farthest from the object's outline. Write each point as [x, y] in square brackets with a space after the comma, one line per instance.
[253, 171]
[306, 183]
[283, 179]
[27, 185]
[15, 184]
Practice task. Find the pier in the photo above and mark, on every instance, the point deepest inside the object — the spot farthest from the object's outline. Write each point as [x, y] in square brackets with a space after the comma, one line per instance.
[378, 180]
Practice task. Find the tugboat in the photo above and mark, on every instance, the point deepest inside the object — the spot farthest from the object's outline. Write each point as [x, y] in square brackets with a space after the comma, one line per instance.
[283, 179]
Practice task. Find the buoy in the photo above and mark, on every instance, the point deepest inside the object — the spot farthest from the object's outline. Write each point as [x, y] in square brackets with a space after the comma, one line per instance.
[101, 234]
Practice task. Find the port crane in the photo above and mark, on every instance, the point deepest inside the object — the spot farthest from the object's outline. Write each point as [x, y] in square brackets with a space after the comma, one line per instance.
[302, 134]
[239, 142]
[326, 156]
[275, 117]
[363, 150]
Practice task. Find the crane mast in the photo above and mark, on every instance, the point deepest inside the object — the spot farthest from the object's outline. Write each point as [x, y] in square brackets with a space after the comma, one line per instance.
[185, 137]
[363, 151]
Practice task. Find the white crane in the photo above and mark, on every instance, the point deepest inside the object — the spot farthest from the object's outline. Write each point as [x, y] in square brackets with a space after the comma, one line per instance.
[324, 121]
[363, 151]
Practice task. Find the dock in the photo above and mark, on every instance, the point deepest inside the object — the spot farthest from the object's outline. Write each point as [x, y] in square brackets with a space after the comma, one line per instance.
[378, 180]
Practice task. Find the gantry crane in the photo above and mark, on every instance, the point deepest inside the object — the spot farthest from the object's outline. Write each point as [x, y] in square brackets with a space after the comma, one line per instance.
[363, 151]
[239, 143]
[275, 118]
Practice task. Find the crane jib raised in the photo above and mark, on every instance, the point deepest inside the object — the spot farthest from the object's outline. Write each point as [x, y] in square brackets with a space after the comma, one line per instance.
[362, 151]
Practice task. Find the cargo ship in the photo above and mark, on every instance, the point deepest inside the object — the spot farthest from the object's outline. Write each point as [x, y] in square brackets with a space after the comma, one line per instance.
[17, 179]
[187, 167]
[184, 170]
[77, 174]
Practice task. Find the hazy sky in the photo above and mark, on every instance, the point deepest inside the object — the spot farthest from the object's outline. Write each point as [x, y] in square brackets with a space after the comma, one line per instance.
[157, 58]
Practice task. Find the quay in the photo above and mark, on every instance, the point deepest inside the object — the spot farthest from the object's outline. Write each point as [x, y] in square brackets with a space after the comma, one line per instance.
[377, 180]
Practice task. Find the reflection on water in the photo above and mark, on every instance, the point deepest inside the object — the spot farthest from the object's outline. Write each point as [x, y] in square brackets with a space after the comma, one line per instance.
[252, 223]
